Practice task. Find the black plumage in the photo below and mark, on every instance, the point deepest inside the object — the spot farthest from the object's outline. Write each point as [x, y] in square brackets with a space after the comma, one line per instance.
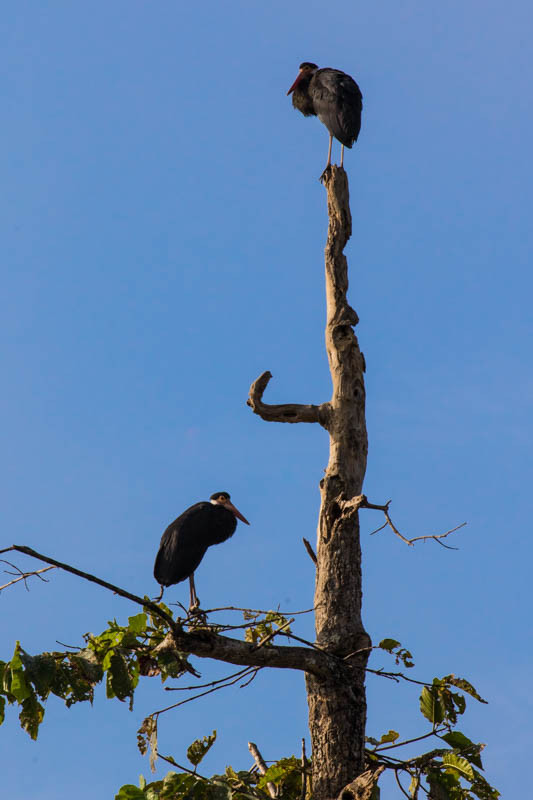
[334, 97]
[186, 540]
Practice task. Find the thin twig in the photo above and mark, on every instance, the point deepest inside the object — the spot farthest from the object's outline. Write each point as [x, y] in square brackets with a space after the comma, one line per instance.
[304, 773]
[409, 741]
[154, 608]
[377, 530]
[185, 769]
[201, 694]
[400, 785]
[22, 576]
[238, 674]
[309, 644]
[259, 611]
[251, 678]
[395, 676]
[362, 502]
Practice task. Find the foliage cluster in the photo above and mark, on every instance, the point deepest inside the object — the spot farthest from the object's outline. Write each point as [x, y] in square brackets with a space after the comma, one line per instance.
[120, 655]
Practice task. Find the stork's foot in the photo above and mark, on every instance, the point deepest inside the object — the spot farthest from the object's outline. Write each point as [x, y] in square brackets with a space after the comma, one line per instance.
[197, 617]
[159, 597]
[194, 606]
[325, 173]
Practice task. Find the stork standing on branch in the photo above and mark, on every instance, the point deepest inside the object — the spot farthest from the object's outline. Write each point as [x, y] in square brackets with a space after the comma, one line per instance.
[185, 541]
[333, 97]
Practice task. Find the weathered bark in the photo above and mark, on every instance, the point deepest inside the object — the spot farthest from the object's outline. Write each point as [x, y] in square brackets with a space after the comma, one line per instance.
[337, 703]
[337, 707]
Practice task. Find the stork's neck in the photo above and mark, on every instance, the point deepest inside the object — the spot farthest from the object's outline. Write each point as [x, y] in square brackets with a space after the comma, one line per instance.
[301, 99]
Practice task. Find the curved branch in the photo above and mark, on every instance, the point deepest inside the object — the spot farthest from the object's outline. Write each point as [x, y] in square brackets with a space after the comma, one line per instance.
[286, 412]
[205, 643]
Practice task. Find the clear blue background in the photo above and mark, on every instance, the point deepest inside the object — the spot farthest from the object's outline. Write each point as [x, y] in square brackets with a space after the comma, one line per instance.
[163, 230]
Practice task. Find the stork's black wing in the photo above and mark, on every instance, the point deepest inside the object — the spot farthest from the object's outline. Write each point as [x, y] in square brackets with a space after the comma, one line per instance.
[182, 545]
[338, 103]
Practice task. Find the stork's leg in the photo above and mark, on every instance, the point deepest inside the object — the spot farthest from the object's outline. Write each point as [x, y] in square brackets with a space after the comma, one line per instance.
[329, 151]
[160, 595]
[342, 154]
[195, 603]
[321, 179]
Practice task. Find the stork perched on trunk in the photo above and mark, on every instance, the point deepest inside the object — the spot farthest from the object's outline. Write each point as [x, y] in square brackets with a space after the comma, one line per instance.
[333, 97]
[185, 541]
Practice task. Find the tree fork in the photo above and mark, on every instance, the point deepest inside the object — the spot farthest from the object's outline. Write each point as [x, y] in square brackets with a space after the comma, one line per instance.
[337, 702]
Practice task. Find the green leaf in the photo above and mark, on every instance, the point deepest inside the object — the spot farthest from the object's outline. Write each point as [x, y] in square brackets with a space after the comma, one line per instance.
[389, 644]
[40, 671]
[458, 763]
[440, 784]
[219, 791]
[119, 682]
[137, 624]
[430, 705]
[19, 687]
[130, 792]
[274, 774]
[197, 750]
[465, 686]
[469, 749]
[391, 736]
[457, 739]
[231, 774]
[31, 715]
[482, 788]
[2, 709]
[86, 663]
[142, 782]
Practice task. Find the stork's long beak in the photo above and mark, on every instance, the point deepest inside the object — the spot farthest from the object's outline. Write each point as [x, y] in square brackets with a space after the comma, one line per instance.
[236, 512]
[295, 84]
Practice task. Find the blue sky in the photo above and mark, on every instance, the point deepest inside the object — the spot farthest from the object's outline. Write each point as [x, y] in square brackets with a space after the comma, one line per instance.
[163, 231]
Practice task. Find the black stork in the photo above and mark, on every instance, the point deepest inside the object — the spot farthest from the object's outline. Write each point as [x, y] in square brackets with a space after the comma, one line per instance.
[333, 97]
[185, 541]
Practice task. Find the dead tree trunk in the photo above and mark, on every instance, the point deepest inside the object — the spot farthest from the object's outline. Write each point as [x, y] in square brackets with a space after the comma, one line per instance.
[337, 704]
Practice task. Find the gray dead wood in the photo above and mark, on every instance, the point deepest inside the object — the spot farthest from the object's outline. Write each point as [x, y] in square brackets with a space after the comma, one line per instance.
[262, 767]
[337, 701]
[362, 787]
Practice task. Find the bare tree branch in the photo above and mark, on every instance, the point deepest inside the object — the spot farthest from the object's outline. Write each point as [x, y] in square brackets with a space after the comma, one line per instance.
[288, 412]
[304, 772]
[310, 550]
[23, 576]
[362, 787]
[361, 501]
[262, 767]
[259, 610]
[154, 608]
